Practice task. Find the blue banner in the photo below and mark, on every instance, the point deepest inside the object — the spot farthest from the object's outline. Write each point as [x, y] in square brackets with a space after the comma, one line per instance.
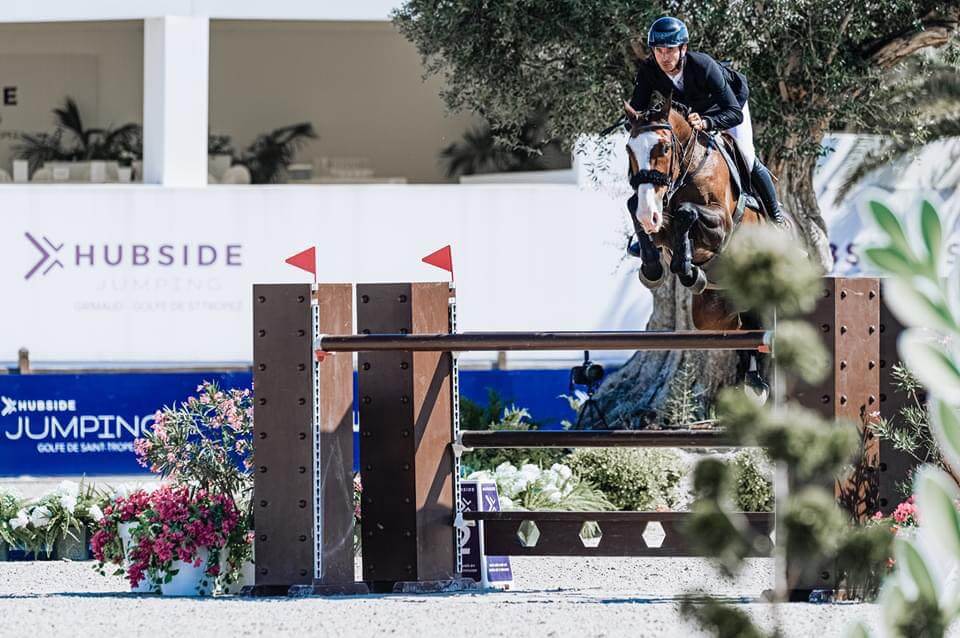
[59, 424]
[72, 424]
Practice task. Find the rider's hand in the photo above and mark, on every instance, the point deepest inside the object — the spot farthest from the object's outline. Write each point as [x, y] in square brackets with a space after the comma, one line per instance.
[696, 122]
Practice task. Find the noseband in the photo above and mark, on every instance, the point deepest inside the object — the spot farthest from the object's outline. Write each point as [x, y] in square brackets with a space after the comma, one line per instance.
[658, 178]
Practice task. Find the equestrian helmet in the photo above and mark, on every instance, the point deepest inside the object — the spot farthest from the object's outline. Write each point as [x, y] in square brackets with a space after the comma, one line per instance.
[667, 32]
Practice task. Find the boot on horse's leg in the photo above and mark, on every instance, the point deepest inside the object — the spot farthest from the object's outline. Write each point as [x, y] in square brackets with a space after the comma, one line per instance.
[651, 271]
[684, 217]
[763, 186]
[754, 365]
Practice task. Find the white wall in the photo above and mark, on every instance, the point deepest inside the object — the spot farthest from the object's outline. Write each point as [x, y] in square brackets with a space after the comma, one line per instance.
[359, 83]
[545, 257]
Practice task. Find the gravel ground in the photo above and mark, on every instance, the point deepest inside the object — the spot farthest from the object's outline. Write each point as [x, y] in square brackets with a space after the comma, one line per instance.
[550, 597]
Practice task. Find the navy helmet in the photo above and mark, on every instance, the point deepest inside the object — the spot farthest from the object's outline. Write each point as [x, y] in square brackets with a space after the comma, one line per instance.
[667, 32]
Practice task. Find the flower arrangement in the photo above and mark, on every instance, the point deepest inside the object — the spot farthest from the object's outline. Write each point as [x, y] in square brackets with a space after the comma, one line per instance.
[68, 512]
[533, 488]
[11, 504]
[903, 521]
[171, 529]
[177, 525]
[108, 543]
[207, 441]
[201, 519]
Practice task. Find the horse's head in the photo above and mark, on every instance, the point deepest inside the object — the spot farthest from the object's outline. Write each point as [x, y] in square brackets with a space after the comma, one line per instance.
[651, 152]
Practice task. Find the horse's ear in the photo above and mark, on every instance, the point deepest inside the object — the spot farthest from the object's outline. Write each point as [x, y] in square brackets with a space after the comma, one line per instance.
[667, 105]
[632, 114]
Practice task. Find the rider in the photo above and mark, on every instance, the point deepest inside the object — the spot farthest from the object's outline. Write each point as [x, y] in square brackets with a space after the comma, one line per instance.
[717, 96]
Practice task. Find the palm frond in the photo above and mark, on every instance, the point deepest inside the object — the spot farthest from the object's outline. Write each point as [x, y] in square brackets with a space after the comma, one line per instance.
[269, 154]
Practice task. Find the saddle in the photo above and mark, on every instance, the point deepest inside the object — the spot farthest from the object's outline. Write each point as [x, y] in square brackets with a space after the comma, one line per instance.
[739, 175]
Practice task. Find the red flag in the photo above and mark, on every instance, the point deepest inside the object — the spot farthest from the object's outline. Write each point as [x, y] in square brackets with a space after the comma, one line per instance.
[305, 260]
[442, 258]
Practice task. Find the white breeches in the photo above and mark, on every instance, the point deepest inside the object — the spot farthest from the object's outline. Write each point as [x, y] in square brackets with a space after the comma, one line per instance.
[743, 133]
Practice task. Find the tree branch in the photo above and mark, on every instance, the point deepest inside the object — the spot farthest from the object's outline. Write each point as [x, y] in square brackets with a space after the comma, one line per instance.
[936, 31]
[841, 33]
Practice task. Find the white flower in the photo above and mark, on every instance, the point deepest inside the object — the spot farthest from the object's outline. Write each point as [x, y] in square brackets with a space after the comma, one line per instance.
[552, 494]
[506, 503]
[549, 477]
[95, 513]
[21, 520]
[68, 488]
[68, 502]
[530, 472]
[40, 516]
[505, 469]
[482, 475]
[563, 470]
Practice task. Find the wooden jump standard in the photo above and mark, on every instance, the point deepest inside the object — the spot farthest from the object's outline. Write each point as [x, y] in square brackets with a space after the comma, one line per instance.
[409, 432]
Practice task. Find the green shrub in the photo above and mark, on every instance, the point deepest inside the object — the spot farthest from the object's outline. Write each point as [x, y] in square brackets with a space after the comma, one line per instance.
[497, 415]
[753, 481]
[631, 478]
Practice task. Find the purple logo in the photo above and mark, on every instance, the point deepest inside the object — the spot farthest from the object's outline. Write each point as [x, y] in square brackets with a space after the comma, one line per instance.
[139, 255]
[45, 255]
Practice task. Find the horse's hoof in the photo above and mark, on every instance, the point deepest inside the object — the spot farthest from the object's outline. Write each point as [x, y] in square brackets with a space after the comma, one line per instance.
[756, 388]
[697, 283]
[652, 280]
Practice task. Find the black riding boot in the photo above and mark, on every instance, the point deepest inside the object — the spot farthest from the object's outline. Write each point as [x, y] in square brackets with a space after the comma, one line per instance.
[763, 186]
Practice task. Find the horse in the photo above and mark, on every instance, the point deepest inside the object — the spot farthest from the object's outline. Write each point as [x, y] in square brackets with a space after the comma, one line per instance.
[684, 208]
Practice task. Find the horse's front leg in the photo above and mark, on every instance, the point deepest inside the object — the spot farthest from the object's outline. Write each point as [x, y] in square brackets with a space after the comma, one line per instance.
[684, 217]
[651, 269]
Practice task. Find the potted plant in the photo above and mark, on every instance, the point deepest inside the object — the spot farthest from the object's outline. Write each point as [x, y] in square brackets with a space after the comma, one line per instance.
[113, 540]
[206, 442]
[11, 504]
[72, 141]
[125, 167]
[179, 539]
[268, 155]
[60, 520]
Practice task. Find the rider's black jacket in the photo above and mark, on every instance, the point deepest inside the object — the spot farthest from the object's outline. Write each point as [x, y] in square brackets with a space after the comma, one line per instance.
[716, 92]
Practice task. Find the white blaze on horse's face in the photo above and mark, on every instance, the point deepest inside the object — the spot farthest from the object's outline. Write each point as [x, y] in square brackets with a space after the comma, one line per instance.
[649, 196]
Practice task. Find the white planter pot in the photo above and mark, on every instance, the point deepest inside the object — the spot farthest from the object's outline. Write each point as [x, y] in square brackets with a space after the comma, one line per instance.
[145, 586]
[187, 579]
[124, 174]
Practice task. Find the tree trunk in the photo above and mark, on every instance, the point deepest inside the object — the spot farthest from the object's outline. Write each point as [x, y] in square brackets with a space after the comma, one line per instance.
[633, 396]
[799, 199]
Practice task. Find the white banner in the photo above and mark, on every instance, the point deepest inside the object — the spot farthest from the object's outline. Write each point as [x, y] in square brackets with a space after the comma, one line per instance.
[140, 273]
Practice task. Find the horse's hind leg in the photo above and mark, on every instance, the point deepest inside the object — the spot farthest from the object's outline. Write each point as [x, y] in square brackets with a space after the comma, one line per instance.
[756, 364]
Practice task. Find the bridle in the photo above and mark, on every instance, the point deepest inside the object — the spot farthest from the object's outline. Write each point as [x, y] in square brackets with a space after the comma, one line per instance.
[658, 178]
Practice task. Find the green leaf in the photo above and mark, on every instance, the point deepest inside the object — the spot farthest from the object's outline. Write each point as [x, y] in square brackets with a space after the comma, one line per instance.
[931, 365]
[887, 221]
[945, 423]
[932, 233]
[892, 261]
[914, 308]
[892, 603]
[936, 492]
[915, 578]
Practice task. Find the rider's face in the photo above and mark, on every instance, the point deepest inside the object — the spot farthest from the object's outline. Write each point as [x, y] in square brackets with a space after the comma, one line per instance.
[668, 58]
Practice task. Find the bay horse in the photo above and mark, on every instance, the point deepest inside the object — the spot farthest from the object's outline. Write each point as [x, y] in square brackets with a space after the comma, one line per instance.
[684, 211]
